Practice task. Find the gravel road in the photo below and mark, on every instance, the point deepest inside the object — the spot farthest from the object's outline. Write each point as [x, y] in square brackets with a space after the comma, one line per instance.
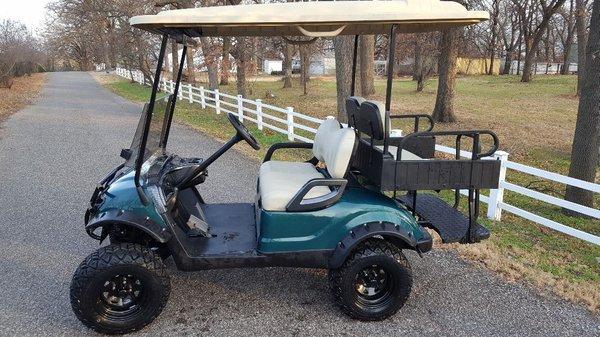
[53, 152]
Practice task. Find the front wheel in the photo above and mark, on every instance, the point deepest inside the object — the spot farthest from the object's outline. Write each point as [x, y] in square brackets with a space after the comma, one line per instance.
[120, 288]
[373, 283]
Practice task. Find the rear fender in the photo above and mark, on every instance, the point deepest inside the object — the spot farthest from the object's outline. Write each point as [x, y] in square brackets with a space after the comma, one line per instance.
[388, 231]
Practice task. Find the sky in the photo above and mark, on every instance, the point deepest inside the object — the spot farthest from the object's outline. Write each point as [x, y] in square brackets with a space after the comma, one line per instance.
[29, 12]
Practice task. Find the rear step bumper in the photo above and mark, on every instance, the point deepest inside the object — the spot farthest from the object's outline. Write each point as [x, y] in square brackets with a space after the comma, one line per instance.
[449, 223]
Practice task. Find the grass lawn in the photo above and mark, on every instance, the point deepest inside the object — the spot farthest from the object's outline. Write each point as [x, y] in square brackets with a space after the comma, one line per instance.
[535, 123]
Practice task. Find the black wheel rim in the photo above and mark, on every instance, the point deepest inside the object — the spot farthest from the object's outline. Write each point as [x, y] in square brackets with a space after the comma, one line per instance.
[121, 296]
[374, 286]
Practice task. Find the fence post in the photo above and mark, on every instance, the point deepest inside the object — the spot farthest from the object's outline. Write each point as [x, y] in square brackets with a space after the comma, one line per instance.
[217, 102]
[202, 99]
[180, 92]
[497, 195]
[240, 106]
[171, 86]
[290, 123]
[190, 92]
[259, 121]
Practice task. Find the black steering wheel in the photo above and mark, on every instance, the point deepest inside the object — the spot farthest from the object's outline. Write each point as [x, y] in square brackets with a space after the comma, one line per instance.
[243, 132]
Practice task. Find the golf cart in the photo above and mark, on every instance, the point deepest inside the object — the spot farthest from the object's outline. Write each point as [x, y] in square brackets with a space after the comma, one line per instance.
[339, 210]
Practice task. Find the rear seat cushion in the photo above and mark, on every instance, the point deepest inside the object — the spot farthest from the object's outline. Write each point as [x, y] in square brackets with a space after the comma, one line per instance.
[279, 181]
[352, 107]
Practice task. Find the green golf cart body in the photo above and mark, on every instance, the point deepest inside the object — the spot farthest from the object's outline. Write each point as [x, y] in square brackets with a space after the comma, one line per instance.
[339, 210]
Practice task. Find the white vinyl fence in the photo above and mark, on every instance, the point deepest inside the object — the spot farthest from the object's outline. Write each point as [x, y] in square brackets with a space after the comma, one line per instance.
[289, 122]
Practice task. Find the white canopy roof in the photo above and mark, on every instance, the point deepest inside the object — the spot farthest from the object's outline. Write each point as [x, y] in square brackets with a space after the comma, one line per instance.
[325, 18]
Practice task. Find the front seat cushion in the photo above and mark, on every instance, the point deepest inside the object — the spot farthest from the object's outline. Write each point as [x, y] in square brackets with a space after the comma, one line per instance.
[279, 181]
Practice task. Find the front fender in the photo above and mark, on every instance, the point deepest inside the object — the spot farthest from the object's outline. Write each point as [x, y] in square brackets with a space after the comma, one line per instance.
[119, 203]
[156, 231]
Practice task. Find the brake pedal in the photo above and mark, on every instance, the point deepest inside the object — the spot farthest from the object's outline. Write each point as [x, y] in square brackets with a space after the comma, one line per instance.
[197, 227]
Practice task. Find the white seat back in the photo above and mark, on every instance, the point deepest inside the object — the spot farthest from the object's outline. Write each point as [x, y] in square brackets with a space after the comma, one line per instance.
[333, 146]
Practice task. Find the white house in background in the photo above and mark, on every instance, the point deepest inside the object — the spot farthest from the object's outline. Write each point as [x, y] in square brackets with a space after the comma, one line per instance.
[270, 66]
[320, 64]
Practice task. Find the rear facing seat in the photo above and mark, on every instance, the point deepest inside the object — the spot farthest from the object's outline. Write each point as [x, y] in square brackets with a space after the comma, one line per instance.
[369, 117]
[280, 181]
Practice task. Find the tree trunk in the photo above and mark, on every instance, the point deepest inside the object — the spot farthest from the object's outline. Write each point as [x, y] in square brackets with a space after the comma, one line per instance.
[418, 68]
[343, 69]
[580, 22]
[530, 52]
[241, 66]
[532, 42]
[444, 103]
[519, 55]
[585, 156]
[507, 63]
[494, 36]
[210, 62]
[418, 63]
[288, 51]
[567, 53]
[568, 41]
[304, 67]
[225, 64]
[174, 61]
[367, 65]
[191, 70]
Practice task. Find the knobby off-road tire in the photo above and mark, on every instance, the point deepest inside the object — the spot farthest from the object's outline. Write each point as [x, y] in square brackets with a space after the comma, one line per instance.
[373, 283]
[120, 288]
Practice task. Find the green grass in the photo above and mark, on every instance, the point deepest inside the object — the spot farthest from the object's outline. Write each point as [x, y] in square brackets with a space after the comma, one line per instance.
[535, 123]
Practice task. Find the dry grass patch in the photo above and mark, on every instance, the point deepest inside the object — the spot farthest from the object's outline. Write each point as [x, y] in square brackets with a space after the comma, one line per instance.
[517, 264]
[103, 78]
[24, 90]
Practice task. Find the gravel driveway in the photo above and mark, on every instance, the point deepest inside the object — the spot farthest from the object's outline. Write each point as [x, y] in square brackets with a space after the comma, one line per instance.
[53, 152]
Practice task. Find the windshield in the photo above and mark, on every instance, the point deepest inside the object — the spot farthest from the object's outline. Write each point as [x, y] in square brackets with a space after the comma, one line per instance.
[156, 132]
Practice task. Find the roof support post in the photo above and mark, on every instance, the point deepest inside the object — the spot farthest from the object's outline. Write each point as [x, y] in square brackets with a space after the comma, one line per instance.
[354, 61]
[163, 142]
[139, 160]
[388, 88]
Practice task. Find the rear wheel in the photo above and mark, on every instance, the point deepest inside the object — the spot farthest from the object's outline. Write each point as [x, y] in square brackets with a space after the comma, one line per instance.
[373, 283]
[120, 288]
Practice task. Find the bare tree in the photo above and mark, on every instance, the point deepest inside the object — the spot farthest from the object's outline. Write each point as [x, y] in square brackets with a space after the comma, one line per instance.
[343, 70]
[241, 58]
[189, 62]
[535, 17]
[585, 155]
[18, 52]
[174, 60]
[210, 62]
[511, 35]
[565, 31]
[580, 24]
[367, 65]
[305, 55]
[288, 53]
[494, 34]
[225, 64]
[444, 103]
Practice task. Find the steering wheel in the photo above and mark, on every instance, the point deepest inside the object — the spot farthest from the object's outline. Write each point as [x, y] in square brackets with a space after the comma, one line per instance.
[242, 131]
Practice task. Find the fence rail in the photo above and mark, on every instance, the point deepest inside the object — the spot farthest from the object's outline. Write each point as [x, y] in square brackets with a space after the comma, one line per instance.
[287, 120]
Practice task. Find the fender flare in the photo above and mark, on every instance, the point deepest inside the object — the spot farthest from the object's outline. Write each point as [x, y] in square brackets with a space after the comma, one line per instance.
[156, 231]
[362, 232]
